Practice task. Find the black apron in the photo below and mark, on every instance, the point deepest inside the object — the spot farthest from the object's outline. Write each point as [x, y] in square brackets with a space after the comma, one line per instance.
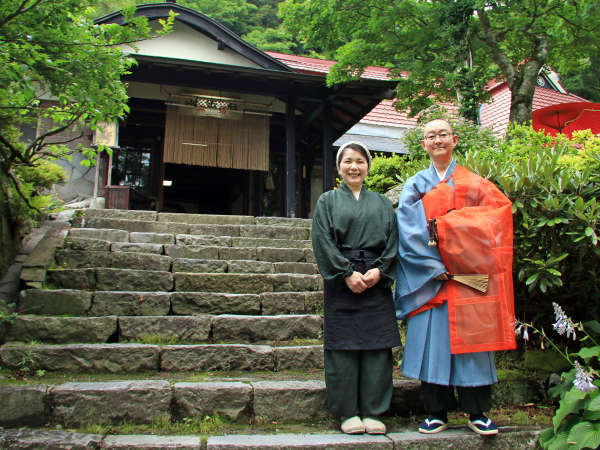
[364, 321]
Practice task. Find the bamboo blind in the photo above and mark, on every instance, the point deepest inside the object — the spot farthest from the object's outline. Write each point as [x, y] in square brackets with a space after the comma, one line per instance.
[213, 142]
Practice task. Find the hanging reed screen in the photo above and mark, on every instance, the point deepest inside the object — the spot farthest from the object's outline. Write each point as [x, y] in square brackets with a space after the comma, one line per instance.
[214, 142]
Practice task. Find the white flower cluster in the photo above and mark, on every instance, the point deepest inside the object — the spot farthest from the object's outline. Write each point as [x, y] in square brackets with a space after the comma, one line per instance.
[522, 328]
[583, 381]
[564, 325]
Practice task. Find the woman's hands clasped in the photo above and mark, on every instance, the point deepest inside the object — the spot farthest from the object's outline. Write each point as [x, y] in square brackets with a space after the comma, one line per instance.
[358, 283]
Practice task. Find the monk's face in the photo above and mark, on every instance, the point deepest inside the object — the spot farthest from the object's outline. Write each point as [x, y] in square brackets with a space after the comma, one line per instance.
[439, 141]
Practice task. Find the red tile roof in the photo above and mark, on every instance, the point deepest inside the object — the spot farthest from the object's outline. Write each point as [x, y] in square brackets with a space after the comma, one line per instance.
[496, 113]
[316, 66]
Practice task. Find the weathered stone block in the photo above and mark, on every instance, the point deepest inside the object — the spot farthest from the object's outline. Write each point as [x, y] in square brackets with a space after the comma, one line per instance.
[141, 261]
[289, 401]
[151, 238]
[23, 405]
[230, 328]
[192, 251]
[138, 226]
[216, 357]
[217, 219]
[149, 442]
[250, 267]
[284, 221]
[305, 357]
[128, 214]
[112, 235]
[83, 279]
[223, 282]
[274, 254]
[199, 265]
[212, 241]
[231, 253]
[300, 442]
[282, 303]
[140, 247]
[215, 230]
[33, 274]
[186, 303]
[292, 282]
[297, 268]
[309, 255]
[133, 280]
[466, 439]
[77, 404]
[106, 303]
[59, 301]
[60, 330]
[266, 242]
[190, 329]
[113, 358]
[314, 302]
[273, 232]
[230, 399]
[87, 244]
[25, 438]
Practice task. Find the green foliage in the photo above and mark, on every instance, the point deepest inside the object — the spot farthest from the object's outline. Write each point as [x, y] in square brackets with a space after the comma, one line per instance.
[59, 71]
[384, 170]
[447, 50]
[576, 422]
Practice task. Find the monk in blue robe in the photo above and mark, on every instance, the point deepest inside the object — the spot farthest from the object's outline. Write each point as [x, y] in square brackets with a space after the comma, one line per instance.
[453, 329]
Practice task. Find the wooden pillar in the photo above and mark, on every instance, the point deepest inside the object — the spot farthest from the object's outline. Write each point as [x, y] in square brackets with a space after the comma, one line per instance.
[328, 166]
[290, 157]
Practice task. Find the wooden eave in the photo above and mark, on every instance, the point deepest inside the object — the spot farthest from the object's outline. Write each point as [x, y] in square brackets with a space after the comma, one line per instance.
[349, 102]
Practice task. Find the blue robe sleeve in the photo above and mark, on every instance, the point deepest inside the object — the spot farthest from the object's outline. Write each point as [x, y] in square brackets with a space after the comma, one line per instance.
[418, 264]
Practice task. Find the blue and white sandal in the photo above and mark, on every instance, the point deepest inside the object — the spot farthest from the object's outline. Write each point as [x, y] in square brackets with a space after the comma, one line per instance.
[432, 425]
[483, 426]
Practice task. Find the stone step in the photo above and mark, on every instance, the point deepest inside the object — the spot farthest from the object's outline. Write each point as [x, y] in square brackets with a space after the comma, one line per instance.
[269, 254]
[136, 358]
[77, 259]
[460, 438]
[76, 404]
[142, 303]
[209, 219]
[174, 228]
[110, 279]
[172, 329]
[181, 238]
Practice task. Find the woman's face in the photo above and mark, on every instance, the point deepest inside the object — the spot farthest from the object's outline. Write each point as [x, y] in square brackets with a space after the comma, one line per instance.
[353, 168]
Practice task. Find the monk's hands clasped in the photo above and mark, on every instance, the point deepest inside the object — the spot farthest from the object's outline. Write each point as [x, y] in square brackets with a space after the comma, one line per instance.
[358, 283]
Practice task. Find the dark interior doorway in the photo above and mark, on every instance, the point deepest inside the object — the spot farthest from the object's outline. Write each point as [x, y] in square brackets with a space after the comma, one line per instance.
[205, 190]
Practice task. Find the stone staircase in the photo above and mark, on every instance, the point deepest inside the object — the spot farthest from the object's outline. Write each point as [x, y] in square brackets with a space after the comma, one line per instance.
[136, 317]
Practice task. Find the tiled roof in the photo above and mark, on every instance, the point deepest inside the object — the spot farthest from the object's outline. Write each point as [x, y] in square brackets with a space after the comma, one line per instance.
[386, 114]
[496, 113]
[316, 66]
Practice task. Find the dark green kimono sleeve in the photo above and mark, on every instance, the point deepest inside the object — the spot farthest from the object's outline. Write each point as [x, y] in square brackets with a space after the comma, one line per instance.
[333, 266]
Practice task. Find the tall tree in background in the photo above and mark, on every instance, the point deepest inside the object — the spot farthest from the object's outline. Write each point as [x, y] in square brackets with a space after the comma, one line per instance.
[52, 50]
[448, 49]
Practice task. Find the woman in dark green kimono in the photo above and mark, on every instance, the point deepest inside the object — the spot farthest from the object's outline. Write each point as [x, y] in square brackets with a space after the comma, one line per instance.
[355, 241]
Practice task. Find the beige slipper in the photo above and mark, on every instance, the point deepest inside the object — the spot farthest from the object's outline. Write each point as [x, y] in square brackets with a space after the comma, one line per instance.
[353, 425]
[373, 426]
